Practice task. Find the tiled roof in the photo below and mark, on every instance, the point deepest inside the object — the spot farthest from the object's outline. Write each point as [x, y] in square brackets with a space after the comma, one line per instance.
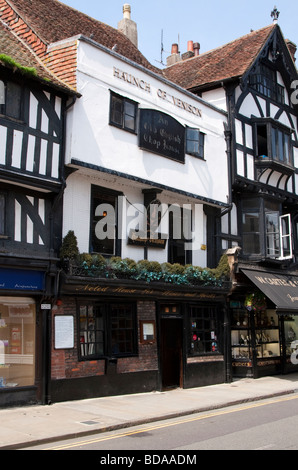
[229, 61]
[54, 21]
[23, 59]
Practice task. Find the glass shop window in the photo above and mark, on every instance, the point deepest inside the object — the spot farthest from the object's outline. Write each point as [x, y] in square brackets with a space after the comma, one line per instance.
[204, 331]
[107, 330]
[17, 342]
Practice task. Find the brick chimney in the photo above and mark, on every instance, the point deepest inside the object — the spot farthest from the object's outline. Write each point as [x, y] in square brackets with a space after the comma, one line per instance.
[127, 26]
[292, 48]
[175, 55]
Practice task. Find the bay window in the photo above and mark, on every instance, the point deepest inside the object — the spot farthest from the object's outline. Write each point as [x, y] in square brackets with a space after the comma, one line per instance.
[273, 145]
[265, 232]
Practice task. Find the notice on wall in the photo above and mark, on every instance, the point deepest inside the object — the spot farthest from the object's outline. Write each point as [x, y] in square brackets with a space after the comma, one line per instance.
[64, 332]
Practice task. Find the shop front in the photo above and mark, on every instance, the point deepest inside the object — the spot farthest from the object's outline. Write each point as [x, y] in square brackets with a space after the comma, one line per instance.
[264, 323]
[119, 337]
[21, 326]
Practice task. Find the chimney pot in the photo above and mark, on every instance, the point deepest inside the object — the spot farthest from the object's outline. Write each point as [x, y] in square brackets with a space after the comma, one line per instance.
[190, 46]
[126, 11]
[196, 47]
[174, 49]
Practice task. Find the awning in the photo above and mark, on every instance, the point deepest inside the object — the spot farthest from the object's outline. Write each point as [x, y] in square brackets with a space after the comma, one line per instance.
[281, 289]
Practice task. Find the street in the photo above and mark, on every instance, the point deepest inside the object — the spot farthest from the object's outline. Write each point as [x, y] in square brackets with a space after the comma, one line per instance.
[269, 424]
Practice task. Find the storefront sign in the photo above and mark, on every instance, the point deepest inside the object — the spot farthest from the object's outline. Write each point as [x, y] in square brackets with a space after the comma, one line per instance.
[162, 134]
[21, 279]
[140, 292]
[281, 289]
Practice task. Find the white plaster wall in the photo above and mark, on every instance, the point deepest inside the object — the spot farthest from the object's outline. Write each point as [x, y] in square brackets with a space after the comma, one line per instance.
[91, 139]
[77, 199]
[216, 97]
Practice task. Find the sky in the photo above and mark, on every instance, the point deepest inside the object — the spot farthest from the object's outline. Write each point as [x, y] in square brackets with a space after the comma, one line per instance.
[212, 23]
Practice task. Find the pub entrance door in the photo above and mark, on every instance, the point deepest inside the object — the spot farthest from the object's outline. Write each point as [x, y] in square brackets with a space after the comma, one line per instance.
[171, 353]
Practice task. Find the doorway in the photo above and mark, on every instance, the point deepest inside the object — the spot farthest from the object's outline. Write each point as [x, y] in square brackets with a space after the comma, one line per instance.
[171, 353]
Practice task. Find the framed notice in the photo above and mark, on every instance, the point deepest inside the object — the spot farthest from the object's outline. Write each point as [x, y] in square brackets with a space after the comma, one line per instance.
[64, 331]
[147, 331]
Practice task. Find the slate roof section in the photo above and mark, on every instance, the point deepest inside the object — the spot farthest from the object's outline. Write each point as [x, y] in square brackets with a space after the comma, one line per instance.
[54, 21]
[11, 47]
[223, 63]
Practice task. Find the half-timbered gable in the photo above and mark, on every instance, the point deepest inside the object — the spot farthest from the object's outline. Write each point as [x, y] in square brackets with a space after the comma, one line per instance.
[252, 78]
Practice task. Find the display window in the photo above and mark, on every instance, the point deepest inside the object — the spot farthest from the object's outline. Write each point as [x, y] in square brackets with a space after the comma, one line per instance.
[204, 331]
[291, 338]
[17, 341]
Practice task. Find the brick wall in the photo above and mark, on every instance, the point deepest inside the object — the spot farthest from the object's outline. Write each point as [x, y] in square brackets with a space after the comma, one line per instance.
[65, 363]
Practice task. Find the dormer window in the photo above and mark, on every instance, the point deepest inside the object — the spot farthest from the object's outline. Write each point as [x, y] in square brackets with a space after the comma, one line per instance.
[264, 81]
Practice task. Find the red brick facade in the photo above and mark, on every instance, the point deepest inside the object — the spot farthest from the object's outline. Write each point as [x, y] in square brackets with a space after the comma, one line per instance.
[65, 363]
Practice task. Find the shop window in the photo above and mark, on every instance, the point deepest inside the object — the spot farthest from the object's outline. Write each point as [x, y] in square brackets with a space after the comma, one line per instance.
[195, 142]
[264, 231]
[104, 222]
[204, 331]
[17, 342]
[123, 113]
[11, 99]
[107, 330]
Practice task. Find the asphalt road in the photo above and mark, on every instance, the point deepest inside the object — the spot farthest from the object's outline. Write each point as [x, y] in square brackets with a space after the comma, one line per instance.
[270, 424]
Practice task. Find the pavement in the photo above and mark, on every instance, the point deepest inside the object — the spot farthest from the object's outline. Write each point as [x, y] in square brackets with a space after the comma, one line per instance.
[26, 426]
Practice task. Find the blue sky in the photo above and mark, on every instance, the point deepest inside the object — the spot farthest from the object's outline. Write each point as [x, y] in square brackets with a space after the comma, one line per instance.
[212, 23]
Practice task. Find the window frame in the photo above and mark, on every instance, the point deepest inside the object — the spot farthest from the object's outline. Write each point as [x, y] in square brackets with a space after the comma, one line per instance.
[264, 81]
[105, 310]
[271, 144]
[262, 212]
[174, 244]
[212, 315]
[98, 192]
[123, 102]
[5, 108]
[198, 143]
[2, 214]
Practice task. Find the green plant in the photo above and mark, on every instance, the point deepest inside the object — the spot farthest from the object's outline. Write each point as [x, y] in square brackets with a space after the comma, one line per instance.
[9, 61]
[69, 248]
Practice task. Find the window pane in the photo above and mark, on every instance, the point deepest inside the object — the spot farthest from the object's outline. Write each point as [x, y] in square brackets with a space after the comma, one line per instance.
[203, 331]
[2, 214]
[251, 244]
[103, 230]
[280, 146]
[91, 328]
[13, 100]
[117, 110]
[122, 332]
[272, 234]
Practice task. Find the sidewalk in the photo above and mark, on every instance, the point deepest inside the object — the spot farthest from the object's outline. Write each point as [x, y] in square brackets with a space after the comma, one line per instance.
[32, 425]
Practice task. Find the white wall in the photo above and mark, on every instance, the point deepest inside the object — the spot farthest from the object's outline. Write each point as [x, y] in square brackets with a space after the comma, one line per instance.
[91, 139]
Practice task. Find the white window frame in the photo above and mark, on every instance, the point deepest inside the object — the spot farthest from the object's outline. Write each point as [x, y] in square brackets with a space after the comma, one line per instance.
[284, 236]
